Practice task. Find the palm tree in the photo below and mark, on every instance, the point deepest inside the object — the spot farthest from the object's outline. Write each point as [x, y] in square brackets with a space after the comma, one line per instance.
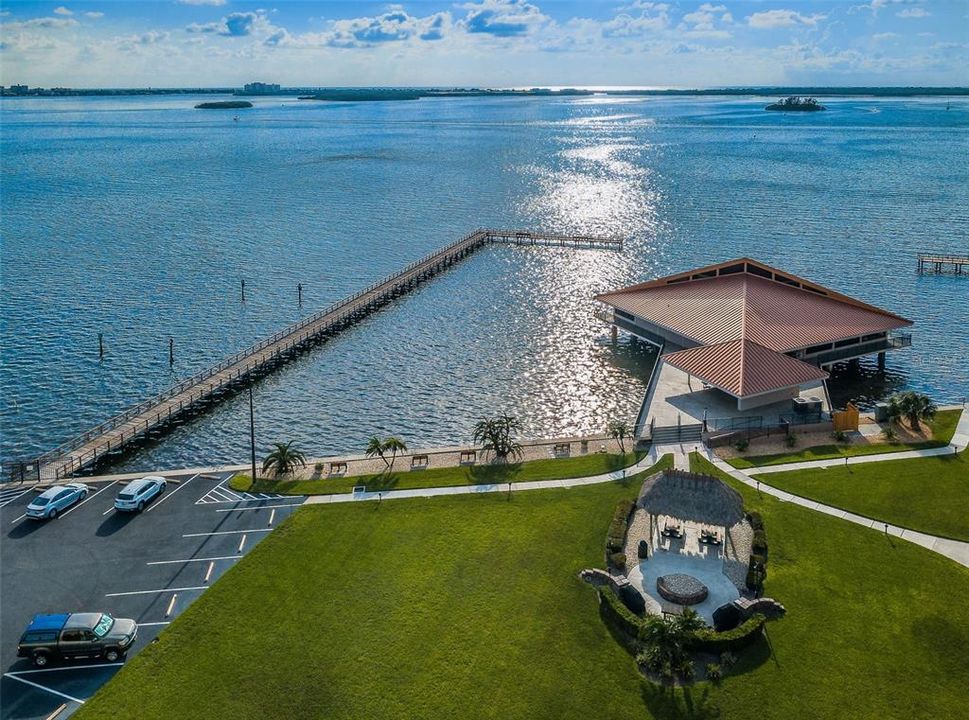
[375, 448]
[283, 459]
[497, 434]
[619, 430]
[395, 445]
[913, 406]
[665, 639]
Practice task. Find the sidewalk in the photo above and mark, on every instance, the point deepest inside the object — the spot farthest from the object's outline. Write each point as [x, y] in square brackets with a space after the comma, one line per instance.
[617, 475]
[952, 549]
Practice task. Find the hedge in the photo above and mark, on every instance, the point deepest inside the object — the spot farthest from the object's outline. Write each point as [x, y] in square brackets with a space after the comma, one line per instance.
[617, 560]
[616, 538]
[618, 614]
[710, 640]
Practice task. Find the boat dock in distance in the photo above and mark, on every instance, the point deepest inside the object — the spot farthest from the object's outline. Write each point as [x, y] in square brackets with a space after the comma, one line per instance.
[207, 386]
[939, 263]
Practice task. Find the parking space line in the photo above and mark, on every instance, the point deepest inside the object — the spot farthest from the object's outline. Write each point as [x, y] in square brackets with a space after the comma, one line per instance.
[242, 543]
[155, 592]
[152, 624]
[175, 562]
[19, 518]
[171, 604]
[208, 573]
[58, 711]
[88, 499]
[64, 669]
[272, 516]
[46, 689]
[246, 509]
[107, 511]
[8, 495]
[180, 486]
[226, 532]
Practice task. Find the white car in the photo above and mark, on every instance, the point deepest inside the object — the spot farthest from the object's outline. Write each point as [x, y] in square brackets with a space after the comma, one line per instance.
[49, 503]
[136, 494]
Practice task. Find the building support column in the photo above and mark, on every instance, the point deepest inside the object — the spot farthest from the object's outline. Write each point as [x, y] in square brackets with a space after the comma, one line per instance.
[615, 333]
[881, 360]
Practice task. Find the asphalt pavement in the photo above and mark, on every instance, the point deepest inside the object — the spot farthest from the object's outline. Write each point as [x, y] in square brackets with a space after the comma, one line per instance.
[148, 567]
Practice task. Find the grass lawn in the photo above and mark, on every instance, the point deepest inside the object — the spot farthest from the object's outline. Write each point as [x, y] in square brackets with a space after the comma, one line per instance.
[943, 428]
[551, 469]
[928, 494]
[471, 607]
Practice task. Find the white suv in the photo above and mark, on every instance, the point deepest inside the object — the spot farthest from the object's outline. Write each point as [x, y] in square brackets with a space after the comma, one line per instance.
[136, 494]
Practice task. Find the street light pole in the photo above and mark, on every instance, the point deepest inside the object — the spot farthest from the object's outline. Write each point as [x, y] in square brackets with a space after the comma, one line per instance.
[252, 435]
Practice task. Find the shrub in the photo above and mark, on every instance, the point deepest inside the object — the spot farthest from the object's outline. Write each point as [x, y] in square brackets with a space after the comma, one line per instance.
[643, 550]
[840, 436]
[742, 444]
[709, 640]
[760, 543]
[756, 572]
[318, 467]
[727, 658]
[621, 617]
[890, 433]
[616, 538]
[756, 520]
[790, 440]
[688, 670]
[714, 672]
[617, 560]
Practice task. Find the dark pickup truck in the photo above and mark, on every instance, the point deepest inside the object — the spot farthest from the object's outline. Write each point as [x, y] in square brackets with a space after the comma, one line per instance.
[69, 636]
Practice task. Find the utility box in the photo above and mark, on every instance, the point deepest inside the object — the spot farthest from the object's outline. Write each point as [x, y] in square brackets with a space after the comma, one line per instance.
[881, 412]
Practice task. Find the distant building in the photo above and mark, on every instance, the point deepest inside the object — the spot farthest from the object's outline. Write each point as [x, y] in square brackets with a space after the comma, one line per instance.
[18, 90]
[258, 88]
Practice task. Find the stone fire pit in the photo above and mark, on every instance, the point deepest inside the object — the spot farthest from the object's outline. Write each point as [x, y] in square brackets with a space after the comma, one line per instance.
[681, 589]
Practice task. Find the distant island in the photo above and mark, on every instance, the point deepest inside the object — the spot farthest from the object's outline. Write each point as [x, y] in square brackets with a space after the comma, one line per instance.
[388, 94]
[796, 104]
[224, 105]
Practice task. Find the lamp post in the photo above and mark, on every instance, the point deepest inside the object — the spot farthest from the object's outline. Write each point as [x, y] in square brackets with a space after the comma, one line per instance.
[252, 435]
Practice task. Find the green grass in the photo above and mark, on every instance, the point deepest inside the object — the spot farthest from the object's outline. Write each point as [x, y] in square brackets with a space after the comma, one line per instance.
[470, 607]
[943, 428]
[551, 469]
[928, 494]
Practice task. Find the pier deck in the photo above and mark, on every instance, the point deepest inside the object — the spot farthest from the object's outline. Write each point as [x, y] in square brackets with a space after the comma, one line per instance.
[207, 386]
[941, 262]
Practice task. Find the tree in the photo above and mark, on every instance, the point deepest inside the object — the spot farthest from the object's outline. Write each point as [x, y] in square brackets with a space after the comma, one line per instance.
[619, 430]
[913, 406]
[665, 640]
[283, 459]
[394, 445]
[375, 448]
[498, 435]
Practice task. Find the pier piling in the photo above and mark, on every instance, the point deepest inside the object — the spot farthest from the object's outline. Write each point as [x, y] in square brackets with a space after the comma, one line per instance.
[100, 346]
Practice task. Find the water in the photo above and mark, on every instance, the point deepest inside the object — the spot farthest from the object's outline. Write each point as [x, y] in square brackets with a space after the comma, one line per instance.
[138, 217]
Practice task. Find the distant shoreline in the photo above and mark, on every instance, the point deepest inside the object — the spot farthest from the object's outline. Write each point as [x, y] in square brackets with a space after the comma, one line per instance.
[402, 93]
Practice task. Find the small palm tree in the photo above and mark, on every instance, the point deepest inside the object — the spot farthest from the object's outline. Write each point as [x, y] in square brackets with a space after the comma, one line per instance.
[912, 406]
[665, 639]
[375, 448]
[498, 435]
[283, 460]
[619, 430]
[394, 445]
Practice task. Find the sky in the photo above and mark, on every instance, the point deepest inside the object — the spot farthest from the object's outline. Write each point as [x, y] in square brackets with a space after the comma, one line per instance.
[484, 43]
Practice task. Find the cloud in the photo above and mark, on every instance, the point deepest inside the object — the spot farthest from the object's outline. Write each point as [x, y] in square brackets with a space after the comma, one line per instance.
[201, 2]
[238, 24]
[705, 16]
[502, 18]
[875, 5]
[768, 19]
[93, 14]
[878, 37]
[41, 22]
[653, 18]
[914, 12]
[63, 11]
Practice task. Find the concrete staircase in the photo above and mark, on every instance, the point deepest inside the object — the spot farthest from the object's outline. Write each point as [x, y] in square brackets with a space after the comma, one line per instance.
[676, 434]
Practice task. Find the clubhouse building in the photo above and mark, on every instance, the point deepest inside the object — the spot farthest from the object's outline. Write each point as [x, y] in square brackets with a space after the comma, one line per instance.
[750, 334]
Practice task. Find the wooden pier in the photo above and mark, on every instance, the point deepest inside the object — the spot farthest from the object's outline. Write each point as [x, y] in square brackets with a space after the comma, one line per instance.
[939, 263]
[206, 387]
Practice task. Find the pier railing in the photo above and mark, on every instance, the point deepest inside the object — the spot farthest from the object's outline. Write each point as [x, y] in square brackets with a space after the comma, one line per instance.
[207, 382]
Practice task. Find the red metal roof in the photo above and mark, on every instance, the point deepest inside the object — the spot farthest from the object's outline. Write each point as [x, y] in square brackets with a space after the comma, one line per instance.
[743, 367]
[783, 313]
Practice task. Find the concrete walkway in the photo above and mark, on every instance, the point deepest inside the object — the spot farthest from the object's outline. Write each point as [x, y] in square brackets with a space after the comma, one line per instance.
[617, 475]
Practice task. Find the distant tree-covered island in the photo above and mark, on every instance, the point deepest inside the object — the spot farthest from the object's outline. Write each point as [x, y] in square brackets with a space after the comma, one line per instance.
[796, 104]
[224, 105]
[387, 94]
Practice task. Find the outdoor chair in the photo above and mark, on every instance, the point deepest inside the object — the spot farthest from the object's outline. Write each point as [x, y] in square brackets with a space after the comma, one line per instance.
[338, 468]
[468, 457]
[418, 462]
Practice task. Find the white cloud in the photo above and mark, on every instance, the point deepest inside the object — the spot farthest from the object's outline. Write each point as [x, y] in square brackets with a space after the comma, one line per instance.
[915, 12]
[201, 2]
[878, 37]
[41, 22]
[93, 14]
[653, 18]
[502, 18]
[768, 19]
[63, 11]
[238, 24]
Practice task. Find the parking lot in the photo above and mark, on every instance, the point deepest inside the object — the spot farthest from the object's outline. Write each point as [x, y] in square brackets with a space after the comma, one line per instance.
[148, 566]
